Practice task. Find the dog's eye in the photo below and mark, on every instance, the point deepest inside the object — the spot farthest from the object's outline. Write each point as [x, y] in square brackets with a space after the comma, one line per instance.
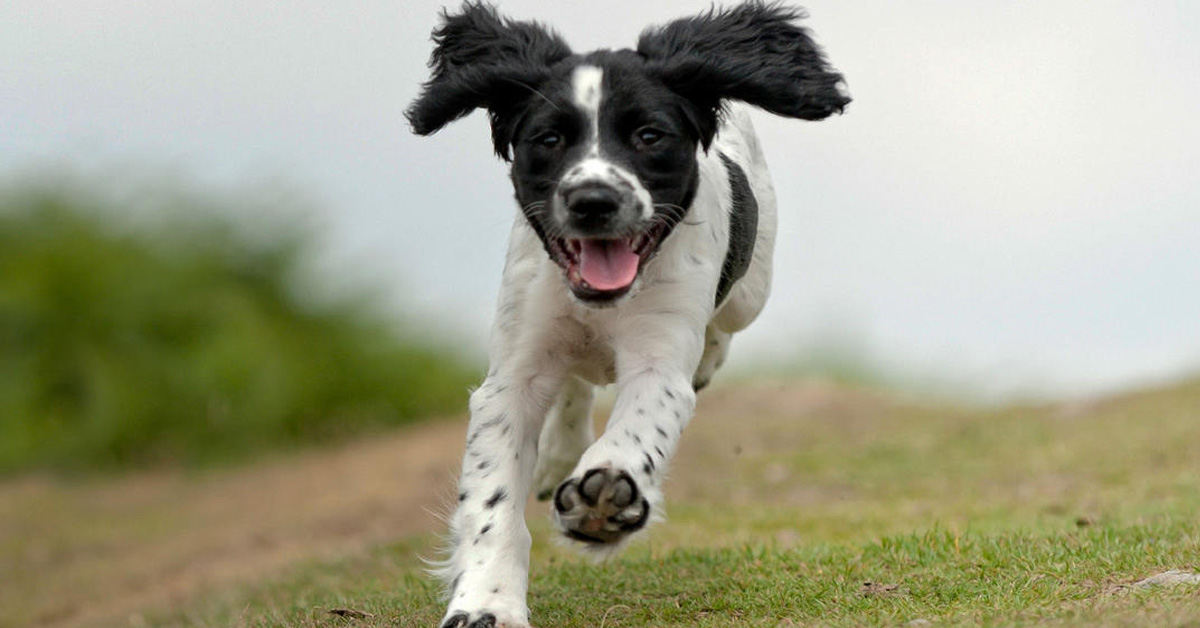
[647, 136]
[549, 139]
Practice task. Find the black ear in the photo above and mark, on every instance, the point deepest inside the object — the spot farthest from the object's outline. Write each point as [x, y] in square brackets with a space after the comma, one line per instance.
[754, 53]
[481, 59]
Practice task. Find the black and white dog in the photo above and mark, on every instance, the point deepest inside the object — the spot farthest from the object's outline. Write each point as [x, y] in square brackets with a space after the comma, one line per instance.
[644, 240]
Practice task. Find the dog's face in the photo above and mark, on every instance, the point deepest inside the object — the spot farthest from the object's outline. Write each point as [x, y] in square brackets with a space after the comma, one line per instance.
[604, 145]
[604, 166]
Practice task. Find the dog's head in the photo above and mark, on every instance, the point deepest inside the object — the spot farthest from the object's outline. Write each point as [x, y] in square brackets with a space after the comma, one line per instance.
[604, 145]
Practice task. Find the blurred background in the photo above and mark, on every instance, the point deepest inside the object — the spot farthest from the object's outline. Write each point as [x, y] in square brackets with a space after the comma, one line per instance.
[217, 231]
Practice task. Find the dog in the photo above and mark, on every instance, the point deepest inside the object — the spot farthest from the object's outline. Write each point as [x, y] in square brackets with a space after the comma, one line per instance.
[643, 241]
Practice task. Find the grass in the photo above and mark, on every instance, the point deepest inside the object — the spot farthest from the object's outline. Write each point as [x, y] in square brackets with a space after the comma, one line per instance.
[940, 576]
[1026, 516]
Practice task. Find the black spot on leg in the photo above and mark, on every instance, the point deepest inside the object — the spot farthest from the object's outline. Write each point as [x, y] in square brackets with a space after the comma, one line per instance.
[484, 529]
[660, 452]
[493, 422]
[647, 469]
[661, 431]
[641, 412]
[497, 497]
[462, 497]
[483, 465]
[649, 461]
[637, 439]
[668, 392]
[495, 590]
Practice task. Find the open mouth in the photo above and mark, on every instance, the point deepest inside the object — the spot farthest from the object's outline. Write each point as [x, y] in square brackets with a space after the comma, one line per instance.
[601, 269]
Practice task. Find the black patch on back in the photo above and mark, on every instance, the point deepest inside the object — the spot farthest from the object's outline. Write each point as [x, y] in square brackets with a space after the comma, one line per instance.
[743, 229]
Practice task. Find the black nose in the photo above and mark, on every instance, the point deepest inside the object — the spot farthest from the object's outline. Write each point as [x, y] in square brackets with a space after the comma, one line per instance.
[592, 202]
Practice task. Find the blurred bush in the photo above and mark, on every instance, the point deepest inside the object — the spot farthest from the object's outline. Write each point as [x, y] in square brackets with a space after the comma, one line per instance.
[164, 330]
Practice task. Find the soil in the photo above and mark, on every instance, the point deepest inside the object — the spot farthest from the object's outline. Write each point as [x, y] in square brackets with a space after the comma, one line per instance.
[99, 552]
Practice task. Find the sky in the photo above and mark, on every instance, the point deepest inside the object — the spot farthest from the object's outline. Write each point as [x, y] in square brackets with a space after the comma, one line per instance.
[1009, 204]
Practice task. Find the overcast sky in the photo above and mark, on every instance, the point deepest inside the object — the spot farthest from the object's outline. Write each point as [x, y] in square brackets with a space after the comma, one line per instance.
[1011, 199]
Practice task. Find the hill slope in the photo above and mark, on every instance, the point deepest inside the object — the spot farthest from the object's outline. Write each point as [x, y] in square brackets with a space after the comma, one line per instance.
[784, 500]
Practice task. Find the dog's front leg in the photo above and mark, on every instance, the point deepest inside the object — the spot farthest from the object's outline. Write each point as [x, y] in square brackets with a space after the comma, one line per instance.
[617, 484]
[488, 568]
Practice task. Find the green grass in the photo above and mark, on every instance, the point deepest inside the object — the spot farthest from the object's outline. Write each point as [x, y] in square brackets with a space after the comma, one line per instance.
[1014, 517]
[946, 577]
[150, 326]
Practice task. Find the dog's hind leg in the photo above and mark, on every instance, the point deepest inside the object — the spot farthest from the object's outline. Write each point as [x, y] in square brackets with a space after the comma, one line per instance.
[716, 348]
[566, 434]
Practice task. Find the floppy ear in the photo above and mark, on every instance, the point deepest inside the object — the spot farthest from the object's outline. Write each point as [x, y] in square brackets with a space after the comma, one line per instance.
[481, 59]
[754, 53]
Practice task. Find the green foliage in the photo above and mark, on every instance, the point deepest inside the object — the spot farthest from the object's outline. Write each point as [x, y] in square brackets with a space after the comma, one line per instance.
[164, 331]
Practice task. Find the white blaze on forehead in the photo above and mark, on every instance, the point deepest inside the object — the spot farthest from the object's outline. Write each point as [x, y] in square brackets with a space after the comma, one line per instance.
[587, 81]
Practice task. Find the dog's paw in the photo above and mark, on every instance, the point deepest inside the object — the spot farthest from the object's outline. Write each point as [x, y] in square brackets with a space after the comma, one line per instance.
[603, 507]
[479, 619]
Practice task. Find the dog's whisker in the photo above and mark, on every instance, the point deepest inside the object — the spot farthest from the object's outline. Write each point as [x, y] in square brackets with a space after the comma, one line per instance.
[535, 91]
[534, 208]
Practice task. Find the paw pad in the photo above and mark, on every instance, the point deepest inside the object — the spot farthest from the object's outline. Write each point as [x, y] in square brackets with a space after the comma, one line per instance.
[604, 506]
[462, 620]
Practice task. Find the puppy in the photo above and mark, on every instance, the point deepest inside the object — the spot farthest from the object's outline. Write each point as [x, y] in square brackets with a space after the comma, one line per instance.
[643, 241]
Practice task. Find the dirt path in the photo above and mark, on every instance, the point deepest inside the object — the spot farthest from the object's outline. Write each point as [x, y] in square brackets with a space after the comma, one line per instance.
[76, 555]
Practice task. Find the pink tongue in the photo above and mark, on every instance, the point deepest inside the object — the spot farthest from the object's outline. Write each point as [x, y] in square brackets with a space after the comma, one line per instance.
[607, 264]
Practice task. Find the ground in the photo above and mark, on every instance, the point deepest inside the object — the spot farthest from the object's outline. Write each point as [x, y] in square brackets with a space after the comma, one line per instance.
[789, 504]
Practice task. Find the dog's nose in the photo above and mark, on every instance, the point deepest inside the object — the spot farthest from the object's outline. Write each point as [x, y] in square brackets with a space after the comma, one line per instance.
[592, 202]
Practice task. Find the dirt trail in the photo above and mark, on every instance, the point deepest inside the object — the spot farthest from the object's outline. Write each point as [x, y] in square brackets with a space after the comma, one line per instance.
[100, 552]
